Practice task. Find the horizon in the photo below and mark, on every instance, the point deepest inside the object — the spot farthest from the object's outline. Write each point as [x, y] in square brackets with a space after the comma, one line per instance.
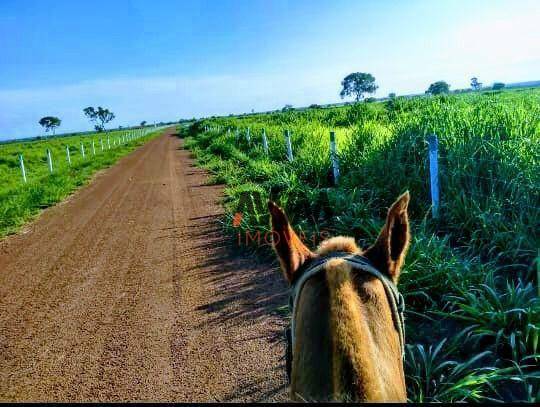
[164, 61]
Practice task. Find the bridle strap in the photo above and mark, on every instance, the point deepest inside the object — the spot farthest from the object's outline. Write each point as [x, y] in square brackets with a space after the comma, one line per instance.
[357, 262]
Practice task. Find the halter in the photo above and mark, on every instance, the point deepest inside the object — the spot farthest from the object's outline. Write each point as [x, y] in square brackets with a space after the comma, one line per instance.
[357, 262]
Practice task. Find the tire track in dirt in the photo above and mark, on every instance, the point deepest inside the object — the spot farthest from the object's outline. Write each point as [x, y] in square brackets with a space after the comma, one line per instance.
[129, 291]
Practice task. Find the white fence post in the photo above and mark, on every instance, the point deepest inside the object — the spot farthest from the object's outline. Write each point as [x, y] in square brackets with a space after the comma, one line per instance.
[248, 136]
[23, 171]
[82, 150]
[265, 141]
[434, 174]
[109, 142]
[101, 140]
[93, 148]
[289, 145]
[68, 155]
[236, 135]
[334, 157]
[49, 160]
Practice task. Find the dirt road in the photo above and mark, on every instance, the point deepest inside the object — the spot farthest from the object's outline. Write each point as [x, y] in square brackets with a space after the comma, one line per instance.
[128, 291]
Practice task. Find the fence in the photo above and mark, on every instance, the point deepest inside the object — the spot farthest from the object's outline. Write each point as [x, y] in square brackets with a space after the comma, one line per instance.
[87, 149]
[433, 160]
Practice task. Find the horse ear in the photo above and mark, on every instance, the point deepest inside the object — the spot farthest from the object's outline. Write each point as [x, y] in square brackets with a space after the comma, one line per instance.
[291, 252]
[388, 252]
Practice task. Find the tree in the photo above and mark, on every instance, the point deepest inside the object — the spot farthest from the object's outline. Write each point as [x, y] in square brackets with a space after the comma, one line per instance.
[498, 86]
[438, 88]
[50, 123]
[100, 116]
[287, 108]
[392, 95]
[356, 84]
[143, 123]
[475, 85]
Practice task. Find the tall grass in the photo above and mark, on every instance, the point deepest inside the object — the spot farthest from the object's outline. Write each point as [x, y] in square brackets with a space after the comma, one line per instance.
[470, 274]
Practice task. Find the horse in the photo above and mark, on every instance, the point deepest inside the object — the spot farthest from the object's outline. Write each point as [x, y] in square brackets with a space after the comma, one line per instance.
[347, 331]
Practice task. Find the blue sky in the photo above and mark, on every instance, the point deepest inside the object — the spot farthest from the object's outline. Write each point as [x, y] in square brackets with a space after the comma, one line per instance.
[166, 60]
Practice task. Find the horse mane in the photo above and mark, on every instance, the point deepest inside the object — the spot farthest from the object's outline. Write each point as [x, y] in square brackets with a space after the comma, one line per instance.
[351, 337]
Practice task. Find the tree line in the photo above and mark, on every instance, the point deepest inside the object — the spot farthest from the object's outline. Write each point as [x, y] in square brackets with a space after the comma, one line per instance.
[98, 116]
[358, 84]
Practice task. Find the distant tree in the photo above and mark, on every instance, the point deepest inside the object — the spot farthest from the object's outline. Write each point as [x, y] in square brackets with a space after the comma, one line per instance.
[357, 84]
[498, 86]
[100, 116]
[90, 112]
[287, 108]
[391, 95]
[143, 123]
[50, 123]
[314, 106]
[438, 88]
[475, 85]
[370, 100]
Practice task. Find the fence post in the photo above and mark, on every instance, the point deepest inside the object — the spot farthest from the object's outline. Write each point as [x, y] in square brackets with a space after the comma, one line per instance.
[93, 148]
[82, 150]
[68, 155]
[236, 135]
[101, 140]
[433, 146]
[49, 160]
[265, 141]
[109, 142]
[289, 146]
[334, 157]
[248, 136]
[23, 171]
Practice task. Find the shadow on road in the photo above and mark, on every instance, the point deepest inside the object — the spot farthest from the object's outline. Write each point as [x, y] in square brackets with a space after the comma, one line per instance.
[247, 293]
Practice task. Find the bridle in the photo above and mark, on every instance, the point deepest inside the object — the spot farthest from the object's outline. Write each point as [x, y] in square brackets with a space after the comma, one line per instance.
[357, 262]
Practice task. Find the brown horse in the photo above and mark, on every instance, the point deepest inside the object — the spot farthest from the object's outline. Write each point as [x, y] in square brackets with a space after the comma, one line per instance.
[346, 345]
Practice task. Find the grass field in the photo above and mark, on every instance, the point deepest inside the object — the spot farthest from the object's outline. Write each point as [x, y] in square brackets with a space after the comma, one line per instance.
[20, 201]
[470, 280]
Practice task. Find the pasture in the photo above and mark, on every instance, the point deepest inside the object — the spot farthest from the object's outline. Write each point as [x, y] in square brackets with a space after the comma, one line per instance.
[470, 280]
[20, 200]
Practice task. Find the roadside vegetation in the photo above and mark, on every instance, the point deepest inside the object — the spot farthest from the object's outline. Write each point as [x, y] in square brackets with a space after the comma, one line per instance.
[471, 276]
[20, 201]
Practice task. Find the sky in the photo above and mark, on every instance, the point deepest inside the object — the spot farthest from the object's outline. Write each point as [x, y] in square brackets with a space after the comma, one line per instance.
[166, 60]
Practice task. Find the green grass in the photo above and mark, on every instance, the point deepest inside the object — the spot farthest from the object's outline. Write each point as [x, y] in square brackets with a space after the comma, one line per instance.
[21, 201]
[470, 279]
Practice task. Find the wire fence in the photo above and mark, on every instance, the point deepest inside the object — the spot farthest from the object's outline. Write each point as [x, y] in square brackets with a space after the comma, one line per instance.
[436, 165]
[30, 162]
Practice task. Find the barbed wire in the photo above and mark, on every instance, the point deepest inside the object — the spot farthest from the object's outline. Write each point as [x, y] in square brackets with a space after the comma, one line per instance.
[476, 159]
[512, 182]
[484, 196]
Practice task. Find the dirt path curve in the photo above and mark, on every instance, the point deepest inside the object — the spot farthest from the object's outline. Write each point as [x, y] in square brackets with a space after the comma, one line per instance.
[128, 291]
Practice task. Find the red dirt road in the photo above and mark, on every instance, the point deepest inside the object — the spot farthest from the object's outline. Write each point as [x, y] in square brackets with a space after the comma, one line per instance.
[129, 291]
